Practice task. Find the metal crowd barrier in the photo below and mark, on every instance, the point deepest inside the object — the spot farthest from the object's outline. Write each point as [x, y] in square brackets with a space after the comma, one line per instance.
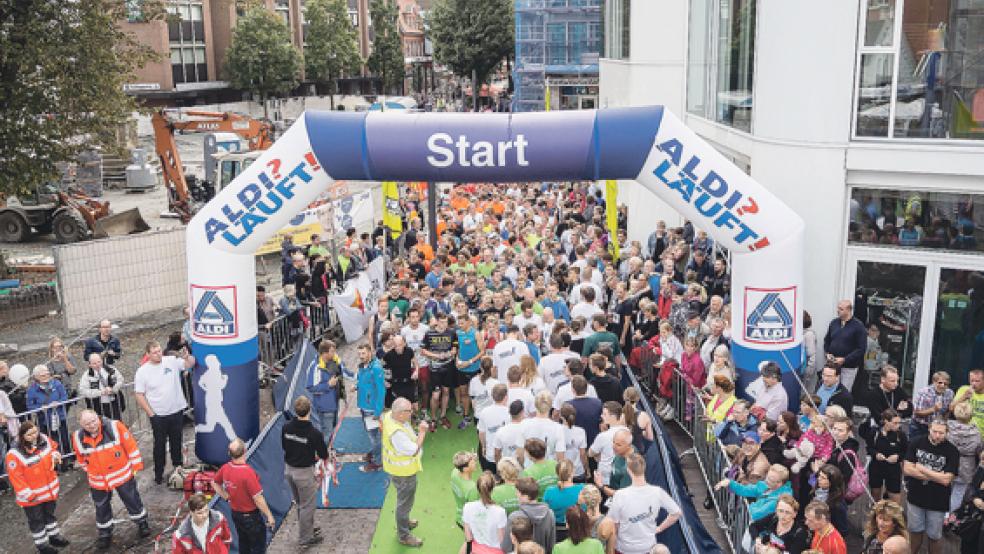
[278, 339]
[123, 407]
[732, 509]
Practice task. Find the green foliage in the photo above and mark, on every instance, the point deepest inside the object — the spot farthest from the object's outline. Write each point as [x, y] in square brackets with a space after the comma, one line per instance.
[386, 60]
[332, 45]
[261, 58]
[63, 66]
[472, 35]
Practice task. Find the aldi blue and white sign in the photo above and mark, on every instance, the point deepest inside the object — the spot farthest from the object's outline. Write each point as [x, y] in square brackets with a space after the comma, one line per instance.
[770, 315]
[214, 314]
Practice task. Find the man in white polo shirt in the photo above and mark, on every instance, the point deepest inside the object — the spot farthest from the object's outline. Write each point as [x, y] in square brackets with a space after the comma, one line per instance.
[157, 386]
[635, 510]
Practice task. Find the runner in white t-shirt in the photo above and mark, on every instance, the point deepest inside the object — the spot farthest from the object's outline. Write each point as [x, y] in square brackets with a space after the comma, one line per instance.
[553, 366]
[575, 441]
[635, 510]
[490, 420]
[508, 352]
[602, 447]
[484, 521]
[479, 392]
[509, 437]
[543, 428]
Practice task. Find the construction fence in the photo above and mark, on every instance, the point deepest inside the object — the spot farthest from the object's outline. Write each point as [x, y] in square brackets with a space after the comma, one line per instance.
[121, 277]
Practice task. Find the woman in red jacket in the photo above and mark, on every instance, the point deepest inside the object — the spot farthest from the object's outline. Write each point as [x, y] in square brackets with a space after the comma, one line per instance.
[31, 470]
[204, 531]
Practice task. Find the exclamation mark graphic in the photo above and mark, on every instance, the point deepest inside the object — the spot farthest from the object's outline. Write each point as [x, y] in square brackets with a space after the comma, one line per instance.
[312, 160]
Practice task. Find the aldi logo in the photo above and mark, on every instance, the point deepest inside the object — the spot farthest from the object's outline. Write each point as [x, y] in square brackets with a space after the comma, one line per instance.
[215, 315]
[770, 315]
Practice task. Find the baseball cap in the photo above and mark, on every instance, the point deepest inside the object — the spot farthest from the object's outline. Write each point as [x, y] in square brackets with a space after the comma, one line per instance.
[751, 436]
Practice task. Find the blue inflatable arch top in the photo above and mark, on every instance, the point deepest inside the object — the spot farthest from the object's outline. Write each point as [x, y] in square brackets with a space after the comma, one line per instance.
[647, 144]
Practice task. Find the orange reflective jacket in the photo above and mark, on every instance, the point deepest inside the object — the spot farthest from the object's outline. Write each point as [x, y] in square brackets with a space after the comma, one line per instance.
[111, 458]
[32, 474]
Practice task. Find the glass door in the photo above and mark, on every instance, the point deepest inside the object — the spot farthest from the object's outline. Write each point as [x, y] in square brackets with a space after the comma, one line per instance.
[888, 299]
[958, 337]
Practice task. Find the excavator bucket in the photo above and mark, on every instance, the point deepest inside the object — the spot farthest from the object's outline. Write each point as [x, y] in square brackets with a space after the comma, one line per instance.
[123, 223]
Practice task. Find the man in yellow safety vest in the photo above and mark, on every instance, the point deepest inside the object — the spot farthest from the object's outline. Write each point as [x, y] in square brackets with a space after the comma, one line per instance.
[402, 449]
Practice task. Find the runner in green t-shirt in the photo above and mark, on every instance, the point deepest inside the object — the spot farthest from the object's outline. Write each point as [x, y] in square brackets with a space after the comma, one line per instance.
[601, 337]
[505, 494]
[462, 486]
[542, 470]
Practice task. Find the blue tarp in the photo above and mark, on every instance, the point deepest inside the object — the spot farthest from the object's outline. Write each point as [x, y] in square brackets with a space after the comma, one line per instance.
[663, 470]
[266, 454]
[291, 384]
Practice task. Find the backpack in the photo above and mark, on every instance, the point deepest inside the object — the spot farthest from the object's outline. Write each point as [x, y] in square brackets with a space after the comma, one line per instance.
[858, 485]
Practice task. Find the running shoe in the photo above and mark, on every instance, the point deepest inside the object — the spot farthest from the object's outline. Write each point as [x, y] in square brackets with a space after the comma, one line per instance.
[445, 422]
[463, 423]
[457, 409]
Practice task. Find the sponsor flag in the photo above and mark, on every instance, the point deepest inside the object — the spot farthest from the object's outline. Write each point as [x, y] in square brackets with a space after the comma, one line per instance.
[611, 216]
[391, 208]
[356, 305]
[546, 98]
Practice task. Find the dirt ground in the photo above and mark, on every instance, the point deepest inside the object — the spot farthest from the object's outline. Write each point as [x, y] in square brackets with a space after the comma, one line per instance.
[351, 530]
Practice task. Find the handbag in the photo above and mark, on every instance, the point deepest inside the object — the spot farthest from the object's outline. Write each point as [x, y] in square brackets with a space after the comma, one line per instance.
[858, 484]
[965, 521]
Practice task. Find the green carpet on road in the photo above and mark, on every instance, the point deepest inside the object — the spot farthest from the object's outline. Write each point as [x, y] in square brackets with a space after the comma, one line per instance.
[434, 503]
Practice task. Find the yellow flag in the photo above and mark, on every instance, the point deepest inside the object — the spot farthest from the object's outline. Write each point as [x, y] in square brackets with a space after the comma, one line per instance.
[611, 215]
[391, 208]
[546, 98]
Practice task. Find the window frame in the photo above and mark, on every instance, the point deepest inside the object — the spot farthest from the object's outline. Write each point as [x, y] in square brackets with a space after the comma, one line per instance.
[860, 50]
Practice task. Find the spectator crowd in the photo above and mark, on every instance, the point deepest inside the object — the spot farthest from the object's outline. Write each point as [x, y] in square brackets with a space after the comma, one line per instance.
[522, 320]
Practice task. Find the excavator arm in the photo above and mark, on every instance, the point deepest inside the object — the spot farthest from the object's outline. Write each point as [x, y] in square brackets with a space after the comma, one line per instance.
[258, 134]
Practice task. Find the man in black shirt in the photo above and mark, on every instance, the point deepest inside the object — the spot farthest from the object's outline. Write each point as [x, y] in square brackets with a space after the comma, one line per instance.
[303, 446]
[399, 364]
[930, 466]
[606, 385]
[440, 346]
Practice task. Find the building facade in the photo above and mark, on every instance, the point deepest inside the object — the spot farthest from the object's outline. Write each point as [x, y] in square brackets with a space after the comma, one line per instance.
[558, 43]
[866, 118]
[193, 41]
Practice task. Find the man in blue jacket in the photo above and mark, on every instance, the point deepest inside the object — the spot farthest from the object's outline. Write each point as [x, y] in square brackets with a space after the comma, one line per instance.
[845, 343]
[371, 386]
[104, 343]
[325, 383]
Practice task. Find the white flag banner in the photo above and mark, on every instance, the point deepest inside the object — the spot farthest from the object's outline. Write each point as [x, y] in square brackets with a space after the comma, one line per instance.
[355, 210]
[356, 305]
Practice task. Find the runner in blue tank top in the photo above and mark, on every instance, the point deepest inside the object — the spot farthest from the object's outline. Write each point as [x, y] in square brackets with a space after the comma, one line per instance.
[469, 360]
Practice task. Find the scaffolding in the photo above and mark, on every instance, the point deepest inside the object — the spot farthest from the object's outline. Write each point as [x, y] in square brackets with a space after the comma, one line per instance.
[557, 42]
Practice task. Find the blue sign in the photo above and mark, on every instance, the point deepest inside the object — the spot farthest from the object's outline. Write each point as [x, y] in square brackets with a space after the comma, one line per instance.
[770, 321]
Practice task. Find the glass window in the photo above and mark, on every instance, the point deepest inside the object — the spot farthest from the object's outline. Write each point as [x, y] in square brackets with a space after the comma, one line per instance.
[888, 300]
[617, 29]
[879, 23]
[935, 73]
[721, 61]
[874, 92]
[916, 219]
[958, 337]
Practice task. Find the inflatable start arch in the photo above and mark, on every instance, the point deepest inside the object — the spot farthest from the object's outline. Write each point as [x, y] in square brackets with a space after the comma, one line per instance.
[647, 144]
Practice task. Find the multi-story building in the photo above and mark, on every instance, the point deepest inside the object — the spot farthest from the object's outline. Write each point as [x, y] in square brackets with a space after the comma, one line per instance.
[557, 47]
[866, 117]
[416, 51]
[193, 41]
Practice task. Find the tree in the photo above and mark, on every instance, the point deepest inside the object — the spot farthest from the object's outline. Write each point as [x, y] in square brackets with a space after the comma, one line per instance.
[261, 58]
[386, 60]
[332, 48]
[63, 67]
[471, 37]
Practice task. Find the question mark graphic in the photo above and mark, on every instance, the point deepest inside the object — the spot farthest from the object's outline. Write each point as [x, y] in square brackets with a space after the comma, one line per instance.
[275, 163]
[751, 208]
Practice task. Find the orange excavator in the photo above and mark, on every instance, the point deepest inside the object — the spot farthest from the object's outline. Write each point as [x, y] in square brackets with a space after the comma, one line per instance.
[258, 134]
